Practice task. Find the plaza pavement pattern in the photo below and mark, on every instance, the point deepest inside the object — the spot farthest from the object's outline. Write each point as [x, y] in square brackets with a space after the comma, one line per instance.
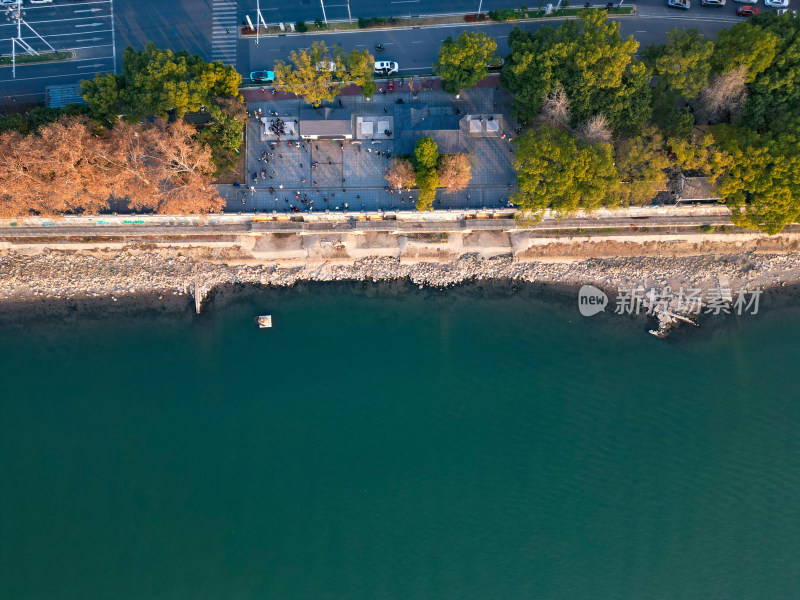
[350, 175]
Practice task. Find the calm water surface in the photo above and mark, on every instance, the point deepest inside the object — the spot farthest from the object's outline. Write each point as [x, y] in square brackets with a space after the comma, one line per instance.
[375, 445]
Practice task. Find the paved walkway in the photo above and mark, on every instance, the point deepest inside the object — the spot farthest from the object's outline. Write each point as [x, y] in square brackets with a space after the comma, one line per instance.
[350, 175]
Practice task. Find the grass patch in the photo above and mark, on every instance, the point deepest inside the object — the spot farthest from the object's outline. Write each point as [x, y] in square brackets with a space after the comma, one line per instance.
[27, 58]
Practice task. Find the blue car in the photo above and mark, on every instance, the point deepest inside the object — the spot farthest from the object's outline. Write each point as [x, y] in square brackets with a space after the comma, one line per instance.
[262, 76]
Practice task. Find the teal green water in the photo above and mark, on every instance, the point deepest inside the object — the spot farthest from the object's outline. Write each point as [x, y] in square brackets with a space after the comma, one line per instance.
[375, 446]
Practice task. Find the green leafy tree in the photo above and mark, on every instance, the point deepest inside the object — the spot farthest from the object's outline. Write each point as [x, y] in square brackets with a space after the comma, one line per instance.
[159, 83]
[700, 155]
[462, 62]
[361, 71]
[223, 135]
[104, 96]
[314, 74]
[762, 185]
[775, 92]
[556, 170]
[670, 113]
[685, 63]
[642, 164]
[744, 44]
[591, 60]
[425, 160]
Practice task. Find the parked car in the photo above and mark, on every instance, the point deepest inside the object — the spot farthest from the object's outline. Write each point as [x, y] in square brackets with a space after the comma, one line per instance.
[747, 11]
[262, 76]
[41, 1]
[713, 2]
[777, 3]
[386, 67]
[684, 4]
[8, 2]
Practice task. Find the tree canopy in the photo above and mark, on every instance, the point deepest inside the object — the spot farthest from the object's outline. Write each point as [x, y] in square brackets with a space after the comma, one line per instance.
[315, 73]
[462, 62]
[590, 59]
[159, 82]
[69, 167]
[744, 44]
[425, 161]
[361, 71]
[685, 63]
[554, 169]
[762, 183]
[642, 164]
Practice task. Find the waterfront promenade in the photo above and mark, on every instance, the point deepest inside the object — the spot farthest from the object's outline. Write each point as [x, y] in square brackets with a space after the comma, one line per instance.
[350, 174]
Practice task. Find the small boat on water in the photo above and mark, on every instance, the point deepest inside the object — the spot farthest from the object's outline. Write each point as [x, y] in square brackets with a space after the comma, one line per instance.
[264, 321]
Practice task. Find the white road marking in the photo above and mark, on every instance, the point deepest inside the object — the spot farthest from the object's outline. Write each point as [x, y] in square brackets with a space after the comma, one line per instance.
[75, 19]
[90, 47]
[402, 1]
[417, 42]
[89, 10]
[90, 25]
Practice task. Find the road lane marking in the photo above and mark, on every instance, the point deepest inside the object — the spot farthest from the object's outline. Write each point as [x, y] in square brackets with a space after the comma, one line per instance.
[73, 75]
[90, 47]
[63, 20]
[402, 1]
[417, 42]
[90, 25]
[89, 10]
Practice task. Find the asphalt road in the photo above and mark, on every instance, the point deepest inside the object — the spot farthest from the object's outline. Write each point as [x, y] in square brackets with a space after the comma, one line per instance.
[85, 27]
[416, 49]
[99, 31]
[275, 11]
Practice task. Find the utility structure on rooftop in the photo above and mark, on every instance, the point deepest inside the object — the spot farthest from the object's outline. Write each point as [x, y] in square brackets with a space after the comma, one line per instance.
[15, 11]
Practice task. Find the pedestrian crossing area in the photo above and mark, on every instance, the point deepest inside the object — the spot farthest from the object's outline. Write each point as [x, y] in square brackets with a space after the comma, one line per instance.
[224, 31]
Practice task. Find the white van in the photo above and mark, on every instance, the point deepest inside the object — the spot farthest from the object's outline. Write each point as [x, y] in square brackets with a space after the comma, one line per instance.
[386, 67]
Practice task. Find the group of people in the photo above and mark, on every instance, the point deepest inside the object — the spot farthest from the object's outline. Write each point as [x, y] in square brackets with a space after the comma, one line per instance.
[277, 126]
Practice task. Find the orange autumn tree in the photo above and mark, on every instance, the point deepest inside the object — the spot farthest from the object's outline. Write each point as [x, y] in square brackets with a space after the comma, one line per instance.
[400, 173]
[161, 168]
[52, 172]
[455, 171]
[65, 168]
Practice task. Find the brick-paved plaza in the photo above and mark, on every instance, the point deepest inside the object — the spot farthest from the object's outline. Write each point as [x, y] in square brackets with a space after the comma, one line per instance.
[350, 174]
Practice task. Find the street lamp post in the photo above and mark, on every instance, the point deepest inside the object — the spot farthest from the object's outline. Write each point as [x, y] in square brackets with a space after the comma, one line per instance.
[480, 4]
[322, 3]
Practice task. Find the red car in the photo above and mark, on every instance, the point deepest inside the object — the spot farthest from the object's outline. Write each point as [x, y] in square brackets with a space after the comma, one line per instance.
[747, 11]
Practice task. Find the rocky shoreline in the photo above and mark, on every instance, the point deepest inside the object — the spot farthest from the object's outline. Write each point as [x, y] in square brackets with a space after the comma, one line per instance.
[146, 277]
